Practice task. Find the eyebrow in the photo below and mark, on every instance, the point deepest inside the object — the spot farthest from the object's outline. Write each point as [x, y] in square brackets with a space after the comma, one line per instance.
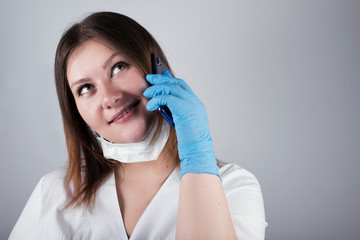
[106, 64]
[108, 61]
[80, 81]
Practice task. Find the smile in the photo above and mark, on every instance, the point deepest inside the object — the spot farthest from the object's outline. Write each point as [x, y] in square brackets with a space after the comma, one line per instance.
[124, 113]
[121, 115]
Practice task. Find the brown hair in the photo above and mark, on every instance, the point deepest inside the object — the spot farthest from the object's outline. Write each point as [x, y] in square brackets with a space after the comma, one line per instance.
[87, 167]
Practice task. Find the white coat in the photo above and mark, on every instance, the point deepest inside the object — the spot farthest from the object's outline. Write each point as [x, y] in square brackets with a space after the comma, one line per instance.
[44, 217]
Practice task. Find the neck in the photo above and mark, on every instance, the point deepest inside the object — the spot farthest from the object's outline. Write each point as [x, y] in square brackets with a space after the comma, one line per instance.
[159, 169]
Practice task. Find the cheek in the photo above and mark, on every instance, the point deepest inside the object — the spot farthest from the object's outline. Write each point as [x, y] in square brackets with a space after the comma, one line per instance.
[87, 113]
[144, 100]
[138, 85]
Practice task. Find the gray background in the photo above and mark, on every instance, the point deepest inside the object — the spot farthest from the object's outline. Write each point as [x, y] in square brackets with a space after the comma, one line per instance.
[280, 80]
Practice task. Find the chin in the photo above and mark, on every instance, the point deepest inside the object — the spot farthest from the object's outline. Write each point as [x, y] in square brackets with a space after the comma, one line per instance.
[137, 131]
[136, 136]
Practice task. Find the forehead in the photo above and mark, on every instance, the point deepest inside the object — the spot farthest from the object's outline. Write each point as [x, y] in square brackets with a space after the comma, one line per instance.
[88, 50]
[88, 56]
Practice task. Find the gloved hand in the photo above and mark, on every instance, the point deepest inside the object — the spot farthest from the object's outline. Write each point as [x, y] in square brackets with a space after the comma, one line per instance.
[191, 124]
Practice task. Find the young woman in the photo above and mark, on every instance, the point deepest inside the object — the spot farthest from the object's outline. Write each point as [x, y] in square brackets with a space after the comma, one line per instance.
[130, 174]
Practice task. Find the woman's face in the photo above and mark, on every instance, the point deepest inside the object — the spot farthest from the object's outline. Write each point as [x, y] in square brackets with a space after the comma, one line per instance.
[108, 92]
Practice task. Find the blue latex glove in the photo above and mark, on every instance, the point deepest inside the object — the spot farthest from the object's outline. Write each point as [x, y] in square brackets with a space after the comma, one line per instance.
[191, 123]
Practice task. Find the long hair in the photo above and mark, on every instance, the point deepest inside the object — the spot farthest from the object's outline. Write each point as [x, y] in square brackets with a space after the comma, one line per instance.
[87, 167]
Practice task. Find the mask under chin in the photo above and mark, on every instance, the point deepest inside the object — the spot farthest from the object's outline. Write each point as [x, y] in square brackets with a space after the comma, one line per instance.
[146, 150]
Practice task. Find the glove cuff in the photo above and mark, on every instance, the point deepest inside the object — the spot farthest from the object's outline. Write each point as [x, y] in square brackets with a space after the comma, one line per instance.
[198, 157]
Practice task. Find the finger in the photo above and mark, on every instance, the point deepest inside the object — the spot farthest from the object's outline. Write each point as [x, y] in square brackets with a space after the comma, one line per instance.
[159, 79]
[167, 89]
[164, 100]
[167, 73]
[182, 83]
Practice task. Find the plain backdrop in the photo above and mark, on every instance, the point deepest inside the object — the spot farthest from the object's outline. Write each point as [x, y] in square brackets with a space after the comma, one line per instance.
[279, 79]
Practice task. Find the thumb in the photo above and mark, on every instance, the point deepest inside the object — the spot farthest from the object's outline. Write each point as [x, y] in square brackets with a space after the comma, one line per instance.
[167, 73]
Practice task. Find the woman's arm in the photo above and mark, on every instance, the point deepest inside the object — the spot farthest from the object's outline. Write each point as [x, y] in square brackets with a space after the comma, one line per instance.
[203, 210]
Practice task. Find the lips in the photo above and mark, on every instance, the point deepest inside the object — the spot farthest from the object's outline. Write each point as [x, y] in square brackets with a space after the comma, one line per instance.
[124, 111]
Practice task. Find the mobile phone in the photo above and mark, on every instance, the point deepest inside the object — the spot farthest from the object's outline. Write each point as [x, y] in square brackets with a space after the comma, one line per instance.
[158, 66]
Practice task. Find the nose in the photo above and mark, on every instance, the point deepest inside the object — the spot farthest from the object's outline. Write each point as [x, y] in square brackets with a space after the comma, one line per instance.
[110, 96]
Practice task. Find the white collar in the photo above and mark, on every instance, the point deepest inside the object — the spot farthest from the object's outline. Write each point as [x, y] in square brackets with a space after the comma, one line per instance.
[143, 151]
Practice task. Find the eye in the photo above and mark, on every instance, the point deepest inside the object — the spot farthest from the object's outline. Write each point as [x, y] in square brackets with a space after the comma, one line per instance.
[118, 67]
[83, 89]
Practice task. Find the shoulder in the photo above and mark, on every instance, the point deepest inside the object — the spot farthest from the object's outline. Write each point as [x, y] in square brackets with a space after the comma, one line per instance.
[55, 176]
[234, 176]
[245, 201]
[44, 202]
[53, 182]
[50, 191]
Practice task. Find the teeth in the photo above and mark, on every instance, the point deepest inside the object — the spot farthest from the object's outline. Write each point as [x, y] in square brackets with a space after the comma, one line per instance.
[124, 113]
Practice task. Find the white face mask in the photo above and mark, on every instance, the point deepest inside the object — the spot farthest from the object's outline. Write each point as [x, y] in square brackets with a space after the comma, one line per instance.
[143, 151]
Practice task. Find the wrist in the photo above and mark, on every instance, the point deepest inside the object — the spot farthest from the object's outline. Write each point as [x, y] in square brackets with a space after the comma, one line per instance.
[198, 157]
